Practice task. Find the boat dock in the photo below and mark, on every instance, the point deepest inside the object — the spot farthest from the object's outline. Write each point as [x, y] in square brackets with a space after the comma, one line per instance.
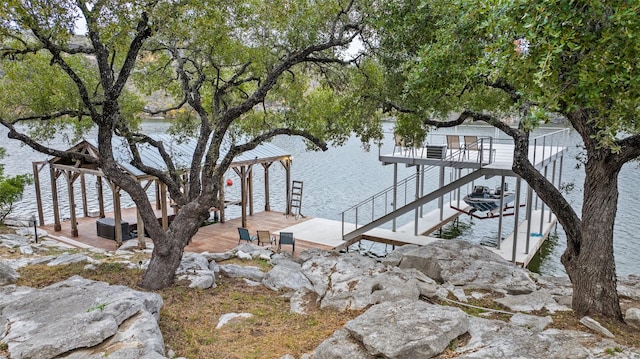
[443, 176]
[446, 169]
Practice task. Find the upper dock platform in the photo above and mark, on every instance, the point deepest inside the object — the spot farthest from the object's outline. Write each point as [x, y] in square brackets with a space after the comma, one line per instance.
[473, 152]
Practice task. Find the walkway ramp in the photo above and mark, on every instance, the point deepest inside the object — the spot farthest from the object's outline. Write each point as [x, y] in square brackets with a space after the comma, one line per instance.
[411, 206]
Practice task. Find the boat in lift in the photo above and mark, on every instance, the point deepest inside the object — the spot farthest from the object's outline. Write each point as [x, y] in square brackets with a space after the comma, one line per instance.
[484, 199]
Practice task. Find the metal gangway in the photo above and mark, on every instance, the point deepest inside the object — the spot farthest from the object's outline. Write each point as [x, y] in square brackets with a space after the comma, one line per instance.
[409, 194]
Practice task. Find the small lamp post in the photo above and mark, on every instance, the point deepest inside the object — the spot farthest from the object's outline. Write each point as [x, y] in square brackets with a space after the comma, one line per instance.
[35, 226]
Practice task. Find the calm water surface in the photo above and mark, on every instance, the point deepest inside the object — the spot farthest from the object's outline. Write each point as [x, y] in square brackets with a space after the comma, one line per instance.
[341, 177]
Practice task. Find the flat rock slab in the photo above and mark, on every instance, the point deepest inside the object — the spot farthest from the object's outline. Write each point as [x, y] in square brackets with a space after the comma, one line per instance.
[407, 329]
[465, 264]
[76, 314]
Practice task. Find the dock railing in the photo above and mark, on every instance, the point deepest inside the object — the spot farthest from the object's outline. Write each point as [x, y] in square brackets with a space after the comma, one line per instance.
[548, 145]
[481, 146]
[393, 197]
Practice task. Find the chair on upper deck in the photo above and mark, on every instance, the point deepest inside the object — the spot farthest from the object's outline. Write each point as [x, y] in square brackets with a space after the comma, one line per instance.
[454, 147]
[245, 236]
[287, 238]
[471, 144]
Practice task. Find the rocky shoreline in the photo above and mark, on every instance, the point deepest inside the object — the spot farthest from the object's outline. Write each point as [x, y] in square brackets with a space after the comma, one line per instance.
[402, 297]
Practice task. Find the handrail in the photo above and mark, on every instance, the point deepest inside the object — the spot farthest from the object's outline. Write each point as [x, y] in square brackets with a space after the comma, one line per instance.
[378, 204]
[550, 142]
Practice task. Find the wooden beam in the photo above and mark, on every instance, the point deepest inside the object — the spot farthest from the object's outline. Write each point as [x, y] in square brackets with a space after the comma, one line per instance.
[117, 214]
[100, 196]
[243, 195]
[78, 169]
[221, 206]
[287, 166]
[250, 188]
[83, 190]
[72, 204]
[54, 196]
[163, 204]
[142, 244]
[267, 204]
[36, 181]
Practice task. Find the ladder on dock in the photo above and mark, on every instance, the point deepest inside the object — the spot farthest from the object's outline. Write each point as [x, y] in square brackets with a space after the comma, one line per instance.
[295, 201]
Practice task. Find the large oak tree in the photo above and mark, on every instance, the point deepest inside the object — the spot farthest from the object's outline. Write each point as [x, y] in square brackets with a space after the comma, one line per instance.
[487, 59]
[239, 72]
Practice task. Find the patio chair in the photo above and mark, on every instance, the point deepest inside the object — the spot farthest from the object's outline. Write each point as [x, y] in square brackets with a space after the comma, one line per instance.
[453, 144]
[471, 144]
[245, 236]
[398, 144]
[266, 237]
[287, 238]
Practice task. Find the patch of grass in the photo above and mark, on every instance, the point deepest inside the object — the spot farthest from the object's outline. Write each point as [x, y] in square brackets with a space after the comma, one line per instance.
[189, 316]
[189, 328]
[6, 230]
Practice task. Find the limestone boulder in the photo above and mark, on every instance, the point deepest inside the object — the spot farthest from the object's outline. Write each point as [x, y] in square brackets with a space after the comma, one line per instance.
[629, 286]
[493, 339]
[8, 275]
[238, 271]
[354, 282]
[632, 317]
[286, 274]
[469, 265]
[11, 240]
[77, 314]
[402, 329]
[69, 258]
[534, 301]
[194, 268]
[341, 345]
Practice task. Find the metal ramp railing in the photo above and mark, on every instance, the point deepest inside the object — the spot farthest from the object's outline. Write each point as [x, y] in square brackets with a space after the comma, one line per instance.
[396, 197]
[411, 206]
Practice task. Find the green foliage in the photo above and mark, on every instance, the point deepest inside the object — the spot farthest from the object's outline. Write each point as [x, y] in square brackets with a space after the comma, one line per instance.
[11, 189]
[445, 56]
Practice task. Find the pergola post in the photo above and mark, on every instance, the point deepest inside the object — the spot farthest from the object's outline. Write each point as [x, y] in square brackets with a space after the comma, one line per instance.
[36, 180]
[157, 186]
[221, 205]
[54, 195]
[287, 167]
[163, 206]
[72, 205]
[83, 188]
[250, 188]
[267, 205]
[100, 196]
[117, 214]
[140, 228]
[243, 195]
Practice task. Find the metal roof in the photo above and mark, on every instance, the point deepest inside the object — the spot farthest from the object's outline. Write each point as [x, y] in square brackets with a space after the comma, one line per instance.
[182, 154]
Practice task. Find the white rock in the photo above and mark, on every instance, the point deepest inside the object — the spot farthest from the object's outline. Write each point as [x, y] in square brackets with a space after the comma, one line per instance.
[226, 318]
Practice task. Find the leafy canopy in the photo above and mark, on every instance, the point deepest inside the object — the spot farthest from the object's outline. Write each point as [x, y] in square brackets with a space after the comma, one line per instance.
[502, 56]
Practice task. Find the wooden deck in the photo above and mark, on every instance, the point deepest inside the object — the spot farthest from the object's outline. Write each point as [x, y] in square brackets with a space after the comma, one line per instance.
[214, 238]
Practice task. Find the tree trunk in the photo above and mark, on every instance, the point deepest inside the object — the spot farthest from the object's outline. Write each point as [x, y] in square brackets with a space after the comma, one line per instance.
[590, 265]
[167, 251]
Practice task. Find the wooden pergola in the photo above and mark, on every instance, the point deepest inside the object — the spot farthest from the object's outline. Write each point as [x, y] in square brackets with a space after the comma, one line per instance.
[264, 155]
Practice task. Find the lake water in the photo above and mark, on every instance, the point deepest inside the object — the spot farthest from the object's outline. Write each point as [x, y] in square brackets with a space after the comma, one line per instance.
[341, 177]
